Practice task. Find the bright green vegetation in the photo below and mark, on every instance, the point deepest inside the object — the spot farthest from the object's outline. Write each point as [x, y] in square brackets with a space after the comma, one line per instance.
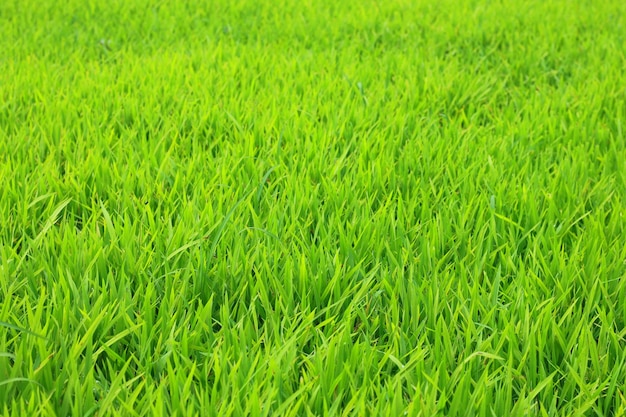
[313, 208]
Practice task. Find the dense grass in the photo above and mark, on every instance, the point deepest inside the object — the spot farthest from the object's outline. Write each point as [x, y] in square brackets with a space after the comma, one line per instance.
[306, 208]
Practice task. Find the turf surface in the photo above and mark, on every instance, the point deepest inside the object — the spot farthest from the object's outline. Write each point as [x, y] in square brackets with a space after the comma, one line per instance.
[312, 208]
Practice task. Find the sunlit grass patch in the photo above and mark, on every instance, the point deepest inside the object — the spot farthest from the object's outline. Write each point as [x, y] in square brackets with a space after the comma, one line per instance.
[296, 208]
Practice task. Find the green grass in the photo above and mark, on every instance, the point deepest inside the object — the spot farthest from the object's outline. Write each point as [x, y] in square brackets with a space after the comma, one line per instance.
[313, 208]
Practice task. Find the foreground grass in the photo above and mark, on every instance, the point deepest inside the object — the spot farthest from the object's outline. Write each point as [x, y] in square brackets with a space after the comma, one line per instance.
[298, 208]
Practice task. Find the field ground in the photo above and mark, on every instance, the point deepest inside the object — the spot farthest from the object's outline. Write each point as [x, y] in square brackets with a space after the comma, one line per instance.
[275, 208]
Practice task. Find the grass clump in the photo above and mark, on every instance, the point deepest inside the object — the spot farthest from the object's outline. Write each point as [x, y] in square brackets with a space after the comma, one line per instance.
[295, 208]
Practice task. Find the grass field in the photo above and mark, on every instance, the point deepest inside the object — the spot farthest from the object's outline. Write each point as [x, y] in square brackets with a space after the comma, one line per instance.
[351, 208]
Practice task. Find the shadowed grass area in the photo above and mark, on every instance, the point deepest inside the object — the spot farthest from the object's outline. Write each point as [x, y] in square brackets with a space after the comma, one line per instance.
[304, 208]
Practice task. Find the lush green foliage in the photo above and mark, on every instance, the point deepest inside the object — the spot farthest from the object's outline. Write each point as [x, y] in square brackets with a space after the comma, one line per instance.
[306, 208]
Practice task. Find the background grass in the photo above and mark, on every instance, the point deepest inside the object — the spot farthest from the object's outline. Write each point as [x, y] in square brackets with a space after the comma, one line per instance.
[305, 208]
